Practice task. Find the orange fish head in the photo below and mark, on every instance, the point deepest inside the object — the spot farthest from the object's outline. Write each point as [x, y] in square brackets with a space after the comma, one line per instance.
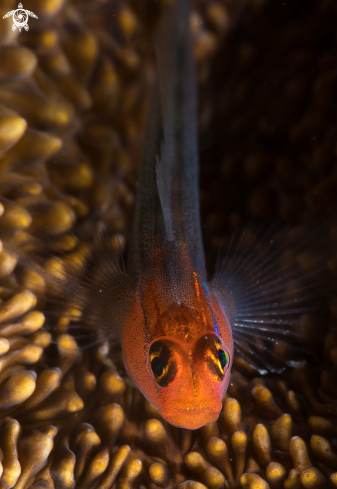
[182, 361]
[185, 377]
[191, 378]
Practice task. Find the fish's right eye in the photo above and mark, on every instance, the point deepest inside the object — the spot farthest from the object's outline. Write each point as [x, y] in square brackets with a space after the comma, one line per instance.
[162, 363]
[157, 366]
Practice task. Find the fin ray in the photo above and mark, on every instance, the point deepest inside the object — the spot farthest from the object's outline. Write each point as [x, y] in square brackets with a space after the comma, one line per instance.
[264, 287]
[98, 287]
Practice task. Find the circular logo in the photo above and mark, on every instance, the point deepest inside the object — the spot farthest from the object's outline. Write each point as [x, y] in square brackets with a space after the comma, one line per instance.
[20, 18]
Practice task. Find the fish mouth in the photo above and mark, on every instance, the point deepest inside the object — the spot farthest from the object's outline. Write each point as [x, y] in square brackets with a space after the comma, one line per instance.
[185, 415]
[192, 420]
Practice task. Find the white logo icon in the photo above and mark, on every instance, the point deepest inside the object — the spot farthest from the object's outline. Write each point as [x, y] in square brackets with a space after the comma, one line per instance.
[20, 17]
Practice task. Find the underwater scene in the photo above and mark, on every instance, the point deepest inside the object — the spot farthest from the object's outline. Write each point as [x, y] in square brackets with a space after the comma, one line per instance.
[168, 244]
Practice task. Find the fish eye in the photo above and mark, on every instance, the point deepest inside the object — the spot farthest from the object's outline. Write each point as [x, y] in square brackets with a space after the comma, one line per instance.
[162, 363]
[223, 358]
[215, 355]
[157, 366]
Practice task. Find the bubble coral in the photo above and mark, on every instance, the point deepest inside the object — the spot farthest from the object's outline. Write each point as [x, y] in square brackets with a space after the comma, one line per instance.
[72, 109]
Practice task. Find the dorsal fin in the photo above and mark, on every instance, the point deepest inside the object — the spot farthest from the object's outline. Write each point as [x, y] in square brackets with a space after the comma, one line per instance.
[176, 79]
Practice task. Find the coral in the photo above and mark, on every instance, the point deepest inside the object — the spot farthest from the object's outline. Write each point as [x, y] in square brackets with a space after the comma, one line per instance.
[73, 93]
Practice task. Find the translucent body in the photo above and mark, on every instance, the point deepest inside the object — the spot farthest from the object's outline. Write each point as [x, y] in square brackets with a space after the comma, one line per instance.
[176, 339]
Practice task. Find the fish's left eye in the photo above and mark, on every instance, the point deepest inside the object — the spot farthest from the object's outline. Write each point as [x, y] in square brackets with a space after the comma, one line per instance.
[162, 363]
[216, 357]
[223, 358]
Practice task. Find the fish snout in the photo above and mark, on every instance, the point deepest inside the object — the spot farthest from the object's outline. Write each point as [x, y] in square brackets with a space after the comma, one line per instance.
[190, 413]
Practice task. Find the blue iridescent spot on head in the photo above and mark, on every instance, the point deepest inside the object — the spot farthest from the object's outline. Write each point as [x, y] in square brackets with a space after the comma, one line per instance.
[216, 329]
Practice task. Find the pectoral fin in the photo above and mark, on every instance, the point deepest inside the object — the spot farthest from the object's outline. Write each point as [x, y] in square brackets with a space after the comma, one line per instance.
[268, 284]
